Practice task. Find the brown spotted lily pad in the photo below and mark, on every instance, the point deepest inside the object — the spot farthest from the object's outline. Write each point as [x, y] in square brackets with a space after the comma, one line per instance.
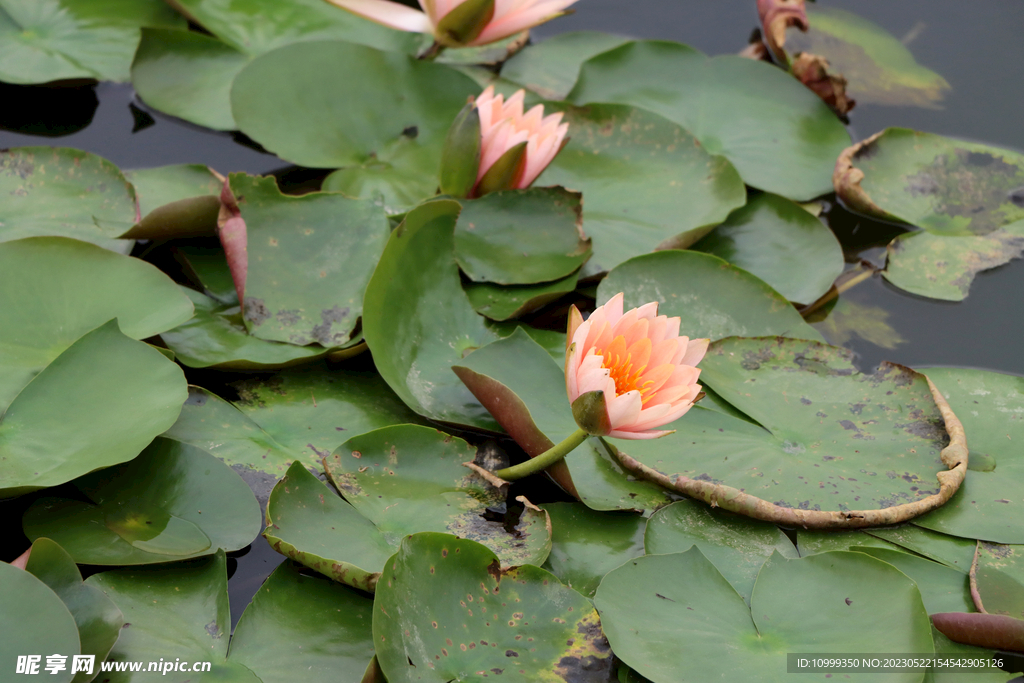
[445, 610]
[967, 200]
[835, 448]
[397, 481]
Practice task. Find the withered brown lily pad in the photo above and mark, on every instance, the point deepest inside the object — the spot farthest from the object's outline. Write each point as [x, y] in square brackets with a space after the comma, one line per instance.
[968, 199]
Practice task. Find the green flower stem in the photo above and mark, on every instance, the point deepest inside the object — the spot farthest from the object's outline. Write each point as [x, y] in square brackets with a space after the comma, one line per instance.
[545, 460]
[432, 52]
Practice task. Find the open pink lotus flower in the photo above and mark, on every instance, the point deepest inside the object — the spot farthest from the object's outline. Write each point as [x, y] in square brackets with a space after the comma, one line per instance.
[637, 359]
[503, 125]
[478, 23]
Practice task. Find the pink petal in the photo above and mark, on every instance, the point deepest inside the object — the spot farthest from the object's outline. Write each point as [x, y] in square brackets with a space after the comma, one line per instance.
[390, 14]
[638, 435]
[624, 410]
[695, 351]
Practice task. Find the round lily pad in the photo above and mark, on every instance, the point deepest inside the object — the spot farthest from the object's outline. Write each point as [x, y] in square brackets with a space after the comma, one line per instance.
[550, 68]
[781, 243]
[54, 40]
[172, 502]
[778, 134]
[99, 621]
[868, 448]
[321, 103]
[647, 182]
[991, 406]
[407, 478]
[587, 544]
[670, 616]
[418, 322]
[407, 178]
[499, 302]
[175, 201]
[99, 403]
[713, 298]
[51, 628]
[308, 261]
[444, 606]
[951, 551]
[736, 545]
[67, 193]
[521, 237]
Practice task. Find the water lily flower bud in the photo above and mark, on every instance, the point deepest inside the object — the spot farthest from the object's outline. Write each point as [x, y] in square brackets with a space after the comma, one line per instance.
[498, 146]
[628, 373]
[460, 23]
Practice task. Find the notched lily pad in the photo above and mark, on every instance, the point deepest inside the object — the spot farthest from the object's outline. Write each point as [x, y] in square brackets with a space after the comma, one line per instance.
[967, 198]
[406, 479]
[551, 67]
[174, 501]
[175, 201]
[837, 448]
[444, 606]
[308, 261]
[498, 302]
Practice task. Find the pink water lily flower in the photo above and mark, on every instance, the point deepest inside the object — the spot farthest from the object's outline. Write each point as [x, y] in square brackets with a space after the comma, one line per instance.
[508, 18]
[644, 368]
[503, 125]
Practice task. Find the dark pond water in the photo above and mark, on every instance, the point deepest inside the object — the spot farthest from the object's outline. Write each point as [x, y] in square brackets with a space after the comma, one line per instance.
[976, 46]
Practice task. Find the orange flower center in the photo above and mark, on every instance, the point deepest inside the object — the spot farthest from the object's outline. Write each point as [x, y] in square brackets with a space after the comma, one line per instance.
[620, 365]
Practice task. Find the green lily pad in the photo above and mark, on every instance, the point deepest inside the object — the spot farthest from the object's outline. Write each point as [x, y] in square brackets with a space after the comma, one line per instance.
[98, 620]
[208, 267]
[175, 201]
[211, 423]
[713, 298]
[97, 404]
[320, 104]
[309, 259]
[832, 439]
[778, 134]
[51, 628]
[313, 410]
[737, 546]
[407, 478]
[179, 613]
[550, 68]
[66, 193]
[407, 178]
[525, 390]
[943, 589]
[54, 290]
[647, 182]
[172, 502]
[311, 524]
[189, 74]
[781, 243]
[521, 237]
[586, 544]
[812, 541]
[216, 337]
[989, 504]
[664, 613]
[944, 647]
[968, 198]
[331, 622]
[948, 550]
[498, 302]
[418, 322]
[55, 40]
[877, 65]
[1000, 578]
[444, 606]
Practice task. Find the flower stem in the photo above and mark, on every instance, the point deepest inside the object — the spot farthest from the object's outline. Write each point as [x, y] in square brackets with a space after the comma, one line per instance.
[545, 460]
[431, 53]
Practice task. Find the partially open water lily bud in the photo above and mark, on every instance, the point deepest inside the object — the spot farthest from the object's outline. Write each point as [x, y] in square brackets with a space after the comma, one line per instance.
[628, 373]
[460, 23]
[494, 145]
